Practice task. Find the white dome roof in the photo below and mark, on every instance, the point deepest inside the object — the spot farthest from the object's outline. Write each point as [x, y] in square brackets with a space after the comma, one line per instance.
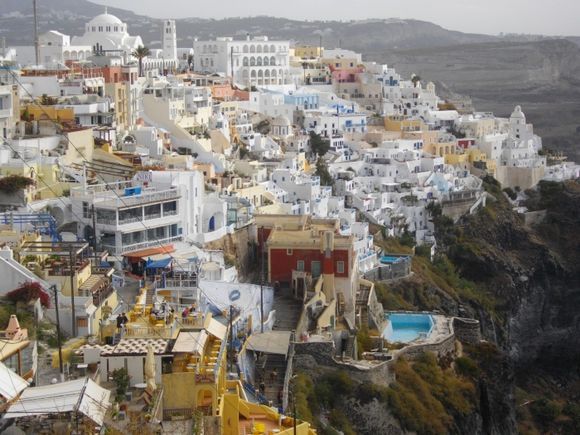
[517, 113]
[106, 19]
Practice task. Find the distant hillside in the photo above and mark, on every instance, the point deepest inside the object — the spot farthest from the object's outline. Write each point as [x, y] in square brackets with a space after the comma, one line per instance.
[70, 16]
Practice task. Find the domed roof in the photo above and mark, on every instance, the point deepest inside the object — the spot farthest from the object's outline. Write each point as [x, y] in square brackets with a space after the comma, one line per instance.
[106, 19]
[517, 113]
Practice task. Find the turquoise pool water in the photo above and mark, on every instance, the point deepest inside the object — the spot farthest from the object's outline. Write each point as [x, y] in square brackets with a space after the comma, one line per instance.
[386, 259]
[405, 328]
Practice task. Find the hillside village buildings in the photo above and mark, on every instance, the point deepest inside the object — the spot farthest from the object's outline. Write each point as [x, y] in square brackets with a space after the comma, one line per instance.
[199, 221]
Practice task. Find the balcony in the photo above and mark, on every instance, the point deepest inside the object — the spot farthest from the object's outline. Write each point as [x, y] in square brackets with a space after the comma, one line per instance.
[114, 250]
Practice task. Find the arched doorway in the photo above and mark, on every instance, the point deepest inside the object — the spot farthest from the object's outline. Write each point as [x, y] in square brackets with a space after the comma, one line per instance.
[212, 223]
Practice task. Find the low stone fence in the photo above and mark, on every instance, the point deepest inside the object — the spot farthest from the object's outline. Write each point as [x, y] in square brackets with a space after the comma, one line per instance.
[322, 353]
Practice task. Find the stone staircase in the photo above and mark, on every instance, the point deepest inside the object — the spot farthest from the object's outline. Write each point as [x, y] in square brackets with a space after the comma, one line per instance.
[274, 384]
[288, 312]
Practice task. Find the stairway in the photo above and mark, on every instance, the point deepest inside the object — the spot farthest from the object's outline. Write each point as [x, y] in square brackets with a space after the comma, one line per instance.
[274, 385]
[288, 312]
[348, 352]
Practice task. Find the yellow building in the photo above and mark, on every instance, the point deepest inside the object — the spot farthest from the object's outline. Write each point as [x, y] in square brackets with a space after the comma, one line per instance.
[197, 374]
[118, 93]
[404, 124]
[239, 416]
[37, 112]
[307, 51]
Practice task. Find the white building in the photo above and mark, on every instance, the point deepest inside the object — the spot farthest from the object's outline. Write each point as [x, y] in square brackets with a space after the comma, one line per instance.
[108, 34]
[251, 62]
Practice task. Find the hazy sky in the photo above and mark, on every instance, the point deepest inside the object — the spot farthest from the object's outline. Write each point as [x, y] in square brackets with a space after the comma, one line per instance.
[549, 17]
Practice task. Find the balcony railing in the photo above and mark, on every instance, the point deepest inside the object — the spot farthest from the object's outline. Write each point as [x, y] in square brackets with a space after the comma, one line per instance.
[114, 250]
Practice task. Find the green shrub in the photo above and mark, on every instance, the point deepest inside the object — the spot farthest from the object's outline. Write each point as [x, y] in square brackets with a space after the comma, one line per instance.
[545, 411]
[465, 366]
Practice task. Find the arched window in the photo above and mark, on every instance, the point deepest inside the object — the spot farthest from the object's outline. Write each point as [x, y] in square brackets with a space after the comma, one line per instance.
[260, 74]
[252, 61]
[274, 73]
[252, 48]
[259, 49]
[259, 61]
[266, 61]
[266, 49]
[272, 49]
[245, 48]
[272, 61]
[253, 74]
[267, 73]
[245, 62]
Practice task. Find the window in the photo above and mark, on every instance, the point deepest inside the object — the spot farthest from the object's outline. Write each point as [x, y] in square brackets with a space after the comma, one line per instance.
[340, 267]
[300, 265]
[86, 210]
[289, 251]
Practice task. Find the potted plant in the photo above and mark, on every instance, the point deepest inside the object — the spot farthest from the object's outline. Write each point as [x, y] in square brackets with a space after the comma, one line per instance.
[121, 379]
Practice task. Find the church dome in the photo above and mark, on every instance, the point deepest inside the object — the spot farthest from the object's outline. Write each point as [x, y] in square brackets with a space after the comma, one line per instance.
[105, 20]
[517, 113]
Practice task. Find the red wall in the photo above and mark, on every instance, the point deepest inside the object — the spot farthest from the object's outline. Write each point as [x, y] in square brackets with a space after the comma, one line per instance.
[282, 264]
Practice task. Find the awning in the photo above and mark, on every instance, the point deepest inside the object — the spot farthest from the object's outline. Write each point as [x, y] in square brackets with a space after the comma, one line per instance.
[158, 264]
[217, 329]
[91, 399]
[276, 342]
[150, 251]
[11, 385]
[190, 342]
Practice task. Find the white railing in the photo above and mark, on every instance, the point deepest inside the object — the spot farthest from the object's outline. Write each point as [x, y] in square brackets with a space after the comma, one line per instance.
[114, 250]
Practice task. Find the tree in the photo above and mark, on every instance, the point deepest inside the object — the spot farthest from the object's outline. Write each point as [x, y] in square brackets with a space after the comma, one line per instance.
[190, 62]
[140, 53]
[13, 183]
[415, 79]
[322, 172]
[29, 291]
[318, 145]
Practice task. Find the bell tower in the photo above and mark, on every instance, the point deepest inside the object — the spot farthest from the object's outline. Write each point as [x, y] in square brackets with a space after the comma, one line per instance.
[169, 39]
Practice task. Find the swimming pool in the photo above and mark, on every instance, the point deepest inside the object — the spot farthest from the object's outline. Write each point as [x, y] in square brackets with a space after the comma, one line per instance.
[404, 328]
[387, 259]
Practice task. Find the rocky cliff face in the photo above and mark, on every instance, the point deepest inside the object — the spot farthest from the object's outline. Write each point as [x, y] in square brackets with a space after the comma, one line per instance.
[532, 274]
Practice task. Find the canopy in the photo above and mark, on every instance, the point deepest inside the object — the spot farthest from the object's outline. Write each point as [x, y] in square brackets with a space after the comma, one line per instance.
[275, 342]
[190, 342]
[11, 385]
[217, 329]
[92, 400]
[158, 264]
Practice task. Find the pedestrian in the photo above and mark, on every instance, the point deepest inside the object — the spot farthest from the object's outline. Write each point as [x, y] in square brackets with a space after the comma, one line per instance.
[185, 312]
[273, 375]
[119, 323]
[262, 388]
[280, 395]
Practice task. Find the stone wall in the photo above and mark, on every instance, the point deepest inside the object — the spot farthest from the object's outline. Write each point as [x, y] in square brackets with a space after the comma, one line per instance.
[532, 218]
[467, 331]
[238, 246]
[391, 271]
[457, 208]
[308, 356]
[524, 178]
